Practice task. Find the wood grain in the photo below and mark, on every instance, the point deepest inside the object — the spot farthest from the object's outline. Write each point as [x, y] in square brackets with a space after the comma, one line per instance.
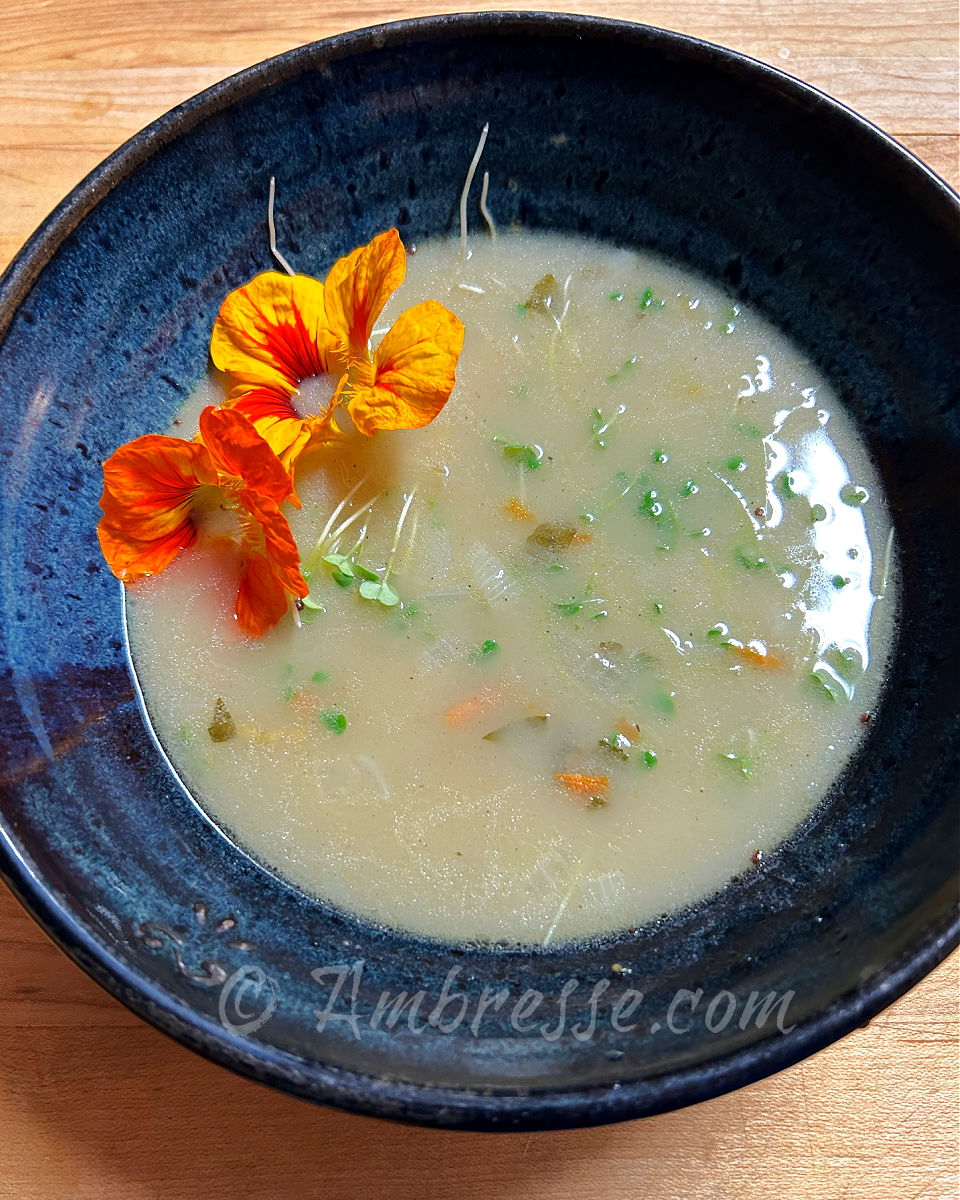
[93, 1103]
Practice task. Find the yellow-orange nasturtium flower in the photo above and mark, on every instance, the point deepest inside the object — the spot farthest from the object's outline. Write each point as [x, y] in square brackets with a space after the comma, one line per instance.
[280, 330]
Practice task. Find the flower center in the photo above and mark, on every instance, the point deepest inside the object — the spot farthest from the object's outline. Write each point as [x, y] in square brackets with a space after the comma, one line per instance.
[312, 398]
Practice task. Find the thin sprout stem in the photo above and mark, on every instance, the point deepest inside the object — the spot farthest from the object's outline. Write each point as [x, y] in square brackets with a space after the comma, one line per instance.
[483, 206]
[325, 538]
[466, 188]
[272, 228]
[341, 529]
[337, 511]
[396, 536]
[358, 544]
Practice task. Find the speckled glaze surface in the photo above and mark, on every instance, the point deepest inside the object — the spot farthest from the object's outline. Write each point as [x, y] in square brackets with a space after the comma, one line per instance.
[618, 131]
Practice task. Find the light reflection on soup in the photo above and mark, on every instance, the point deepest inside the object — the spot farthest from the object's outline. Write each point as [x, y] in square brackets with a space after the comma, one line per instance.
[636, 627]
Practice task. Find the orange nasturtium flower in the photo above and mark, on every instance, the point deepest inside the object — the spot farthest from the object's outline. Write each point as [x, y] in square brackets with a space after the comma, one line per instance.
[157, 490]
[279, 331]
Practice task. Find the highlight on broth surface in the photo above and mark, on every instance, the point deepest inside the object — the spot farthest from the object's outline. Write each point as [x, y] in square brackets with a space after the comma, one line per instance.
[573, 653]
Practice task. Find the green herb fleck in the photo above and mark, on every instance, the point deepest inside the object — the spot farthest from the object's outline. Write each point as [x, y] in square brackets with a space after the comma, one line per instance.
[529, 456]
[186, 734]
[827, 685]
[854, 495]
[650, 758]
[660, 455]
[662, 702]
[839, 582]
[336, 722]
[689, 488]
[487, 650]
[320, 677]
[752, 562]
[568, 607]
[657, 607]
[743, 764]
[736, 463]
[646, 300]
[616, 296]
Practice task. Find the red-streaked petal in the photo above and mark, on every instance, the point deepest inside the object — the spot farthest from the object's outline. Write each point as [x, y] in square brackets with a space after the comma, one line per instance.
[149, 490]
[273, 332]
[270, 567]
[413, 371]
[278, 542]
[238, 450]
[130, 559]
[276, 420]
[261, 598]
[359, 285]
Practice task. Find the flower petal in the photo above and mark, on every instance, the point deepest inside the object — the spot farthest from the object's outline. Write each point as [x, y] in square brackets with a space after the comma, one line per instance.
[280, 425]
[149, 490]
[358, 286]
[273, 332]
[270, 566]
[239, 451]
[130, 559]
[413, 371]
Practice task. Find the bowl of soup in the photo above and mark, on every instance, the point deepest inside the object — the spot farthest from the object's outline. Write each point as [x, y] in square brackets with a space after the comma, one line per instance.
[611, 760]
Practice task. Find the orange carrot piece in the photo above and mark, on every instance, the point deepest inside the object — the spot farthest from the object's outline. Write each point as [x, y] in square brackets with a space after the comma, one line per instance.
[628, 729]
[769, 660]
[591, 786]
[581, 539]
[516, 508]
[475, 706]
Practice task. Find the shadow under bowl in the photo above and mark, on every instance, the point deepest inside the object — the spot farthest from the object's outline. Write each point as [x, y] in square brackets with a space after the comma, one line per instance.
[618, 132]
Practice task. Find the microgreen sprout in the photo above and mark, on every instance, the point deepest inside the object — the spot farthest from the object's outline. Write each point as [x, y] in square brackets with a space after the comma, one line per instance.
[375, 588]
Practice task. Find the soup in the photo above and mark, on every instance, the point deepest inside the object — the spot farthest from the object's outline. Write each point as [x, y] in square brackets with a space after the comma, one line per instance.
[576, 653]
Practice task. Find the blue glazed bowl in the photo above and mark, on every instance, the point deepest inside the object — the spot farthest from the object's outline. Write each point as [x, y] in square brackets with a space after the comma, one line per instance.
[843, 239]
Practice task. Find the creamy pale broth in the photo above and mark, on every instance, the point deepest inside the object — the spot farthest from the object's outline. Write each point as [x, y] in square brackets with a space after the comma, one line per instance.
[431, 827]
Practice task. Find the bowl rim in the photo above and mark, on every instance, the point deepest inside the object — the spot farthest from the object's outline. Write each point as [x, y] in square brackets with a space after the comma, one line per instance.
[444, 1107]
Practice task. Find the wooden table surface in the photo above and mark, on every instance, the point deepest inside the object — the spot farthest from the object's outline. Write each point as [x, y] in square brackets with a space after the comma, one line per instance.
[94, 1103]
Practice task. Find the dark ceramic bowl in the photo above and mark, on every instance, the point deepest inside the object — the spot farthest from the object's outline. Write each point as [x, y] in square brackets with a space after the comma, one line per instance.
[842, 238]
